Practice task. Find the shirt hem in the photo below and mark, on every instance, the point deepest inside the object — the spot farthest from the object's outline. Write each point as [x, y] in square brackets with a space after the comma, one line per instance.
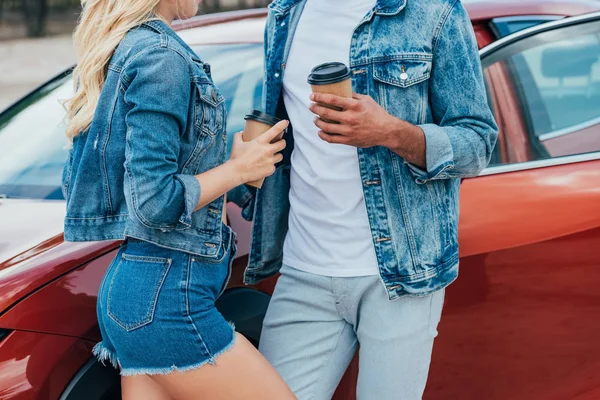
[331, 272]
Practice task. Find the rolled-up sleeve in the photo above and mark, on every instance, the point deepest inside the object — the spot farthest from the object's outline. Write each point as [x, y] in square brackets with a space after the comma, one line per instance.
[158, 92]
[460, 140]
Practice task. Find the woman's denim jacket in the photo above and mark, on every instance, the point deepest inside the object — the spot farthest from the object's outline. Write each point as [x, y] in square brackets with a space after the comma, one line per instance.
[413, 212]
[159, 121]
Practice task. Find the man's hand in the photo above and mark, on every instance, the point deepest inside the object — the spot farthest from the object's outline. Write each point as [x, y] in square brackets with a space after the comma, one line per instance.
[364, 123]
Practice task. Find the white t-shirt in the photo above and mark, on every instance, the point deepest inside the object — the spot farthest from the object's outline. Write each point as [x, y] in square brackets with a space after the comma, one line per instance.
[329, 232]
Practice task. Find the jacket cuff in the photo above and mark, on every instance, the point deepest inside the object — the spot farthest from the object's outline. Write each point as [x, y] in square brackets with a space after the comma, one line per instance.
[438, 154]
[191, 196]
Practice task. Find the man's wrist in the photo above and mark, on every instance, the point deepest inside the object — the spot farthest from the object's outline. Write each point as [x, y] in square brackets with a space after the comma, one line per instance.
[394, 135]
[406, 140]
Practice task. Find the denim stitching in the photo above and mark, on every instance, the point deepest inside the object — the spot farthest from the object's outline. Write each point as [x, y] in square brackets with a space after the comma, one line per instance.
[183, 248]
[197, 152]
[405, 84]
[187, 302]
[157, 260]
[150, 314]
[103, 152]
[187, 285]
[111, 217]
[442, 22]
[424, 95]
[436, 221]
[337, 341]
[410, 236]
[232, 251]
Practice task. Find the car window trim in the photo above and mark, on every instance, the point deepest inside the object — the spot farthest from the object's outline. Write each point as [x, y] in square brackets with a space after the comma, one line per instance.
[571, 129]
[534, 30]
[550, 162]
[64, 74]
[513, 38]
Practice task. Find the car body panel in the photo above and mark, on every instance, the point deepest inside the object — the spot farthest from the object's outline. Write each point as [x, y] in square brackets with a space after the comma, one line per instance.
[520, 323]
[39, 366]
[543, 203]
[30, 270]
[65, 306]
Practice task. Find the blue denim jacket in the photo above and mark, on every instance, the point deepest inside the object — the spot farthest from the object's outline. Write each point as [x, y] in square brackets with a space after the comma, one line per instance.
[413, 212]
[159, 121]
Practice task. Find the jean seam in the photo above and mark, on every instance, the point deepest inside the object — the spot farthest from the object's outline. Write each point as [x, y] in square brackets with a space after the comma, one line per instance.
[187, 304]
[339, 307]
[430, 312]
[337, 341]
[441, 293]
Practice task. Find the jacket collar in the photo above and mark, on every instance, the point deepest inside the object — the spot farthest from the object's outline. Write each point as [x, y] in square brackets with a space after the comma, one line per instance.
[383, 7]
[390, 7]
[160, 26]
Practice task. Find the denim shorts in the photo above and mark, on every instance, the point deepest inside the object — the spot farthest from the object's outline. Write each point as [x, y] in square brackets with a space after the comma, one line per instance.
[156, 308]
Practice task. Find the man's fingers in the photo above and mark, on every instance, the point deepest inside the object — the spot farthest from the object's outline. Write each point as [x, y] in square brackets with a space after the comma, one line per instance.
[334, 139]
[275, 131]
[330, 128]
[338, 101]
[327, 113]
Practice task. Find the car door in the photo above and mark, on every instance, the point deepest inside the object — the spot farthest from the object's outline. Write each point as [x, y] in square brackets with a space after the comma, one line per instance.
[521, 322]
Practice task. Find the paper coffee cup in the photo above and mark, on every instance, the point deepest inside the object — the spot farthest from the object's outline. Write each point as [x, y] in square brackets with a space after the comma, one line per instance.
[257, 123]
[332, 78]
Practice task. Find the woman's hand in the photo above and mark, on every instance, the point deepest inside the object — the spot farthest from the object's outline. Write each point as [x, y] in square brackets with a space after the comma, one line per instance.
[256, 159]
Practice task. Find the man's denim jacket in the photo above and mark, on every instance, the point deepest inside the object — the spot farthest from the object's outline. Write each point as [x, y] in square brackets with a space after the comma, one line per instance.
[159, 121]
[413, 212]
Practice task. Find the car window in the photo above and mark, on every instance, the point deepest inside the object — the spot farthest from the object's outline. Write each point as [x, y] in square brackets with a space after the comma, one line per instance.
[545, 92]
[32, 133]
[504, 26]
[33, 143]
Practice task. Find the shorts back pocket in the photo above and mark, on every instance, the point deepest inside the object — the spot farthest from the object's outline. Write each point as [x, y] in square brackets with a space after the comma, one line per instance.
[134, 290]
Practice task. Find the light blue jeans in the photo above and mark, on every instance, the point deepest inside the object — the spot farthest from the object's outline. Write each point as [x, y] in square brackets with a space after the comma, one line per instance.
[315, 324]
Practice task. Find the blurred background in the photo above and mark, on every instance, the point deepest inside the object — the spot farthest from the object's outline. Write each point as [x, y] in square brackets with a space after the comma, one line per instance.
[35, 40]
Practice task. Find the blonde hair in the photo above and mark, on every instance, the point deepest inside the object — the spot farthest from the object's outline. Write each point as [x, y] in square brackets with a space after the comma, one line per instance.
[102, 26]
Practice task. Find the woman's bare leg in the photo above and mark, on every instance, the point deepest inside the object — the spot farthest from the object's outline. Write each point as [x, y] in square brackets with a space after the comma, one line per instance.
[142, 387]
[239, 373]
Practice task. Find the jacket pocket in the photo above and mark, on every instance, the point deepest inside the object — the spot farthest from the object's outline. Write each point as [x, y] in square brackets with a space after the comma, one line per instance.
[401, 84]
[402, 72]
[134, 290]
[210, 109]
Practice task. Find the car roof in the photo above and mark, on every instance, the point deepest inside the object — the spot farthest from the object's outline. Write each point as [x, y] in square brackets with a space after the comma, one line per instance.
[247, 26]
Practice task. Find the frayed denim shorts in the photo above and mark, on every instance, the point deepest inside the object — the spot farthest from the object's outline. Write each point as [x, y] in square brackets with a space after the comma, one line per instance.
[156, 308]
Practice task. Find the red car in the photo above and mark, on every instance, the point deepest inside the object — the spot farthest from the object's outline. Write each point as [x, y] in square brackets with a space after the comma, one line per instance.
[520, 322]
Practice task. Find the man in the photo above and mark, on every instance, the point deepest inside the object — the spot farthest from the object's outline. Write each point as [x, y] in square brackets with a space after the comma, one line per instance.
[363, 214]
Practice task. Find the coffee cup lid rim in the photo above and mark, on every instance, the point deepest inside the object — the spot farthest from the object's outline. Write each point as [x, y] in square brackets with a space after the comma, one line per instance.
[259, 116]
[339, 72]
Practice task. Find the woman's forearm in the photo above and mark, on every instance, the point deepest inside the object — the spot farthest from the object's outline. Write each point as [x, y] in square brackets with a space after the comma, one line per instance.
[216, 182]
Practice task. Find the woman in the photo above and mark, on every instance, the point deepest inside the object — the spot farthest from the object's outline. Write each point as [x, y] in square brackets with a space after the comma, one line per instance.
[147, 127]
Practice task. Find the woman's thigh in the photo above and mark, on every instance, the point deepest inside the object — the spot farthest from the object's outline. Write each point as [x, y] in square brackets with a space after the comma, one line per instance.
[239, 373]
